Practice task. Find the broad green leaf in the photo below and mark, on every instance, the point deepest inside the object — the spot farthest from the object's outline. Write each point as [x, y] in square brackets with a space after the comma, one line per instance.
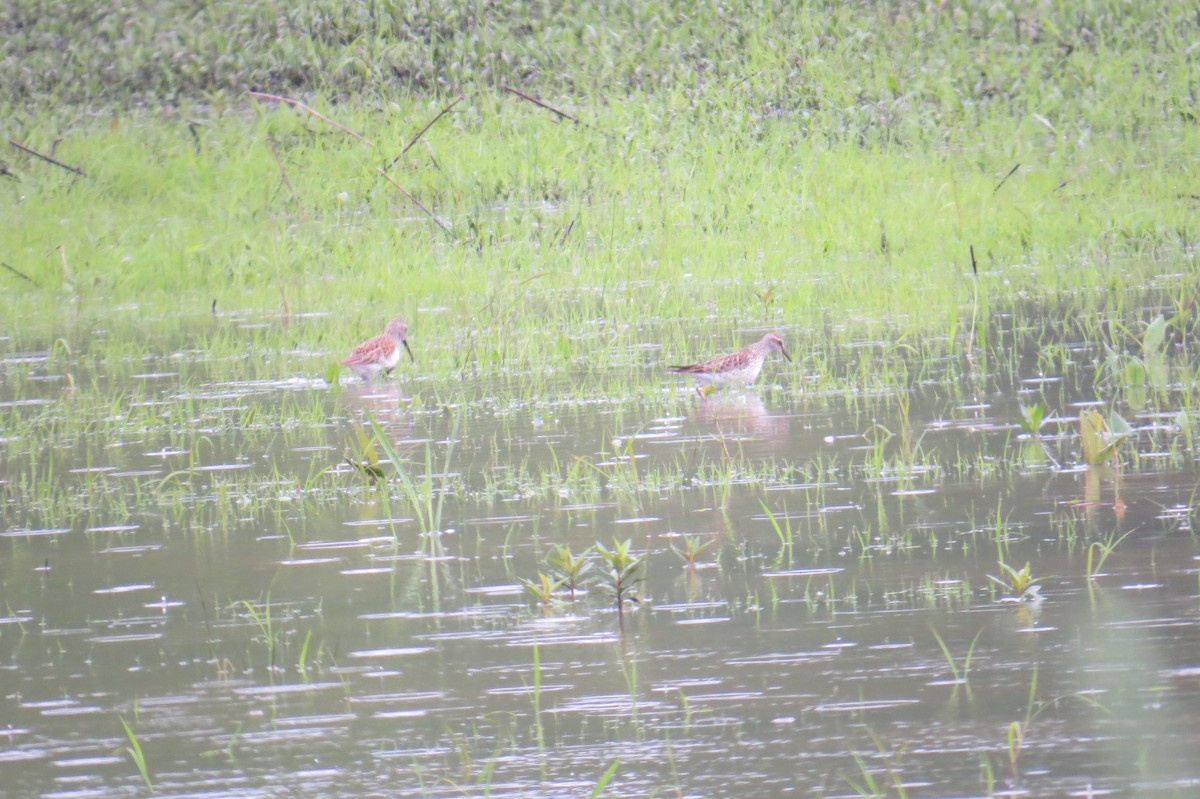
[1135, 372]
[1094, 432]
[1119, 427]
[1032, 417]
[1154, 337]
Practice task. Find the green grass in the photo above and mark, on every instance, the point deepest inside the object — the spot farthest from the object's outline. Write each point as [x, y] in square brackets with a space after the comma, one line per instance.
[834, 171]
[134, 750]
[824, 170]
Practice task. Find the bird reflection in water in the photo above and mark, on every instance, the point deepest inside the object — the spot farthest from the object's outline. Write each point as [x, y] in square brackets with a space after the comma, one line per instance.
[742, 415]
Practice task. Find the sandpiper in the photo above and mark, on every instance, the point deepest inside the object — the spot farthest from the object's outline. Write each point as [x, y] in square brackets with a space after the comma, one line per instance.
[380, 354]
[742, 366]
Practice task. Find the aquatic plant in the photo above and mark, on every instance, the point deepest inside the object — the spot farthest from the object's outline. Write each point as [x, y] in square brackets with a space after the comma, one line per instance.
[1136, 374]
[543, 588]
[537, 697]
[782, 531]
[1099, 551]
[605, 778]
[425, 500]
[622, 572]
[366, 460]
[569, 570]
[302, 665]
[960, 675]
[269, 635]
[135, 752]
[1019, 584]
[1018, 730]
[869, 786]
[1033, 417]
[1101, 440]
[692, 547]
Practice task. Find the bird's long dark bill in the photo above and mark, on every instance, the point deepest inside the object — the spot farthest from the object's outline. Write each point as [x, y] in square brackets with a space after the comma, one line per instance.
[406, 349]
[785, 353]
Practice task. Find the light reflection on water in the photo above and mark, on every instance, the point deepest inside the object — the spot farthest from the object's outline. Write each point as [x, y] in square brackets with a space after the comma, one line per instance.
[270, 624]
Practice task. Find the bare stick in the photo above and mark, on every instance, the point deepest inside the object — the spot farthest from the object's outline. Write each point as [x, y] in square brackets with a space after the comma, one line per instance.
[538, 102]
[67, 273]
[563, 238]
[1004, 179]
[18, 273]
[282, 172]
[315, 113]
[422, 131]
[192, 128]
[417, 202]
[48, 159]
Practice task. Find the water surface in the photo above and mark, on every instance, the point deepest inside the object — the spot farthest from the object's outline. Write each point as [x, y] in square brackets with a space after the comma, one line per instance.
[189, 546]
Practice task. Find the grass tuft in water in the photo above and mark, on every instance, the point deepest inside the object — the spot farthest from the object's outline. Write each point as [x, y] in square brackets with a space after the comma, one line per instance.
[1099, 551]
[135, 752]
[869, 786]
[1018, 730]
[269, 635]
[960, 675]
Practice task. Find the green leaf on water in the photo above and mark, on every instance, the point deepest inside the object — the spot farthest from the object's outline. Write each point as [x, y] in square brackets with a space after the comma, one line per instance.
[1155, 335]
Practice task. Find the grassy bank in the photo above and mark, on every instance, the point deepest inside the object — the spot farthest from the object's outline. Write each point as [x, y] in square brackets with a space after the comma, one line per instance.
[829, 169]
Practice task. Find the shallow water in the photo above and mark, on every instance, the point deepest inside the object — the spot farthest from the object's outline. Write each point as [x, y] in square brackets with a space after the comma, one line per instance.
[188, 546]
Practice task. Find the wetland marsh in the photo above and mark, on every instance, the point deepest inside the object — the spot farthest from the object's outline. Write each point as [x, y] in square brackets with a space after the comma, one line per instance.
[949, 550]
